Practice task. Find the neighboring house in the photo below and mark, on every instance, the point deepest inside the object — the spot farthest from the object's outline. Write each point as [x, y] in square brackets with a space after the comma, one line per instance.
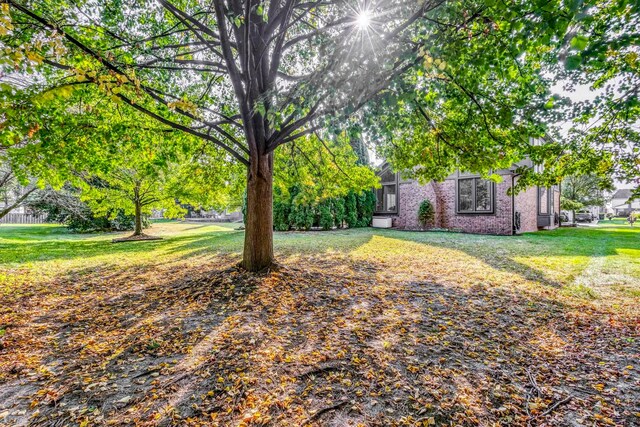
[466, 202]
[621, 205]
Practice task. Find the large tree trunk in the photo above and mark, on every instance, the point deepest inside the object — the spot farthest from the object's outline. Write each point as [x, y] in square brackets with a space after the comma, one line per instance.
[258, 238]
[137, 231]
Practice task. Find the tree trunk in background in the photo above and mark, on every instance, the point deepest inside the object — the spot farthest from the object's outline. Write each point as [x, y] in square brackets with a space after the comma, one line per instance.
[4, 212]
[138, 219]
[258, 237]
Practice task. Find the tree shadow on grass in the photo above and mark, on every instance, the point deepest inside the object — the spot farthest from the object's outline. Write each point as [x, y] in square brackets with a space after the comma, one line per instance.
[507, 254]
[322, 341]
[121, 327]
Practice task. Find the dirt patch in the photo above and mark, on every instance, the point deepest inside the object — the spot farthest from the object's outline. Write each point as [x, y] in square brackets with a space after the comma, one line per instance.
[139, 238]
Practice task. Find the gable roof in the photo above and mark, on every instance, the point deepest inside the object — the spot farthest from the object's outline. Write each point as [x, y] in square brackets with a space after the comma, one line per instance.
[623, 193]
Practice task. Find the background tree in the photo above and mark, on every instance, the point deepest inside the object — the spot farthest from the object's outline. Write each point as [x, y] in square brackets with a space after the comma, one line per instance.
[120, 159]
[584, 190]
[12, 193]
[64, 206]
[600, 57]
[321, 168]
[311, 179]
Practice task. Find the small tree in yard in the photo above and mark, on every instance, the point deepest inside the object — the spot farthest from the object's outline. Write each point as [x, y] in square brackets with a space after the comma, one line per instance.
[583, 190]
[133, 190]
[65, 207]
[121, 161]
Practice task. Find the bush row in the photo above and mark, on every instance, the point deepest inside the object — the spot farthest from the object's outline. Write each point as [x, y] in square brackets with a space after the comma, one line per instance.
[352, 210]
[290, 213]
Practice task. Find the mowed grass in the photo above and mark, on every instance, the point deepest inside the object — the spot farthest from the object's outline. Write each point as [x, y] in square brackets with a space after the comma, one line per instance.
[359, 327]
[558, 258]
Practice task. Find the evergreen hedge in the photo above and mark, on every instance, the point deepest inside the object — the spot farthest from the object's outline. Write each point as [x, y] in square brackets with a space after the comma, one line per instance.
[291, 213]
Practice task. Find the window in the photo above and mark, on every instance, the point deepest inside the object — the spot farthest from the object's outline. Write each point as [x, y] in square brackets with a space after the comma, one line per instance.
[545, 204]
[387, 175]
[475, 195]
[386, 197]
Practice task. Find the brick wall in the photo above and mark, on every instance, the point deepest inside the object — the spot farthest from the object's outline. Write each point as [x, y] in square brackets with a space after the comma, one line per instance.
[527, 206]
[500, 222]
[443, 197]
[411, 194]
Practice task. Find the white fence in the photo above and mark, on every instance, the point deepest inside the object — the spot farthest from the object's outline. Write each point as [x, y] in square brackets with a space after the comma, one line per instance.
[21, 218]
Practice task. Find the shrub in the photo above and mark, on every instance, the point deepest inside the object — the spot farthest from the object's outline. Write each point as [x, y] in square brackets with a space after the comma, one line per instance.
[301, 216]
[351, 209]
[325, 219]
[426, 213]
[296, 216]
[281, 209]
[366, 206]
[339, 211]
[281, 216]
[291, 212]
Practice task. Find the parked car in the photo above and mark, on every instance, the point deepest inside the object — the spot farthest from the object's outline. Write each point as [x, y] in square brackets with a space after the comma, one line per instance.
[564, 218]
[584, 216]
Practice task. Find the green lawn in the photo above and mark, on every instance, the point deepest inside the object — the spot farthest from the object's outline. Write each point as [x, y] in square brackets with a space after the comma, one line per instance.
[357, 327]
[560, 258]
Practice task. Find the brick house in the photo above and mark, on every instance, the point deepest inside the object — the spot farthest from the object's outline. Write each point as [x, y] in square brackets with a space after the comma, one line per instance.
[466, 202]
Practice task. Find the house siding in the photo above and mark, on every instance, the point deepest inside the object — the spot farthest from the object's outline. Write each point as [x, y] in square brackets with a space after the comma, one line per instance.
[411, 194]
[526, 204]
[499, 222]
[443, 197]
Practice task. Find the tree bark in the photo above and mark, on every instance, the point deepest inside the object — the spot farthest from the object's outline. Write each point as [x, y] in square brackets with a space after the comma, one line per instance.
[258, 237]
[138, 218]
[4, 212]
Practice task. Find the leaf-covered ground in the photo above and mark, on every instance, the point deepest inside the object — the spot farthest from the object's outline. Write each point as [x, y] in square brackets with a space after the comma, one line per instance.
[357, 328]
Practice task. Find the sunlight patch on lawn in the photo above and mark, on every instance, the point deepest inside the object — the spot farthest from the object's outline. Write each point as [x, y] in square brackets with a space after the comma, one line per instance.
[580, 291]
[557, 268]
[409, 260]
